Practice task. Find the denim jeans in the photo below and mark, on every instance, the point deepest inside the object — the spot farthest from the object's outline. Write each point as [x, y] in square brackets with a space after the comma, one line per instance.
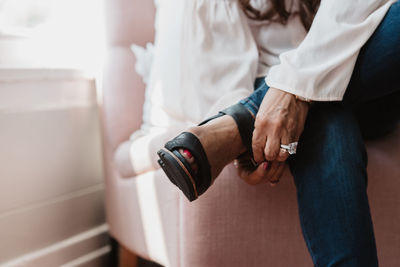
[329, 168]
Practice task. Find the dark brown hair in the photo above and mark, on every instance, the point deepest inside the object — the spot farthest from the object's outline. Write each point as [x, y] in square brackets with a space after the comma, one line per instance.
[279, 13]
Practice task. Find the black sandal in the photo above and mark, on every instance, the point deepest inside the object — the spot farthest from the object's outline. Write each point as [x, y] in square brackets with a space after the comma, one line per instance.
[177, 168]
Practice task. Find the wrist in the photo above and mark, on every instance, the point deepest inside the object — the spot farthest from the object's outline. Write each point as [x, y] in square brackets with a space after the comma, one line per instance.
[302, 103]
[303, 99]
[306, 102]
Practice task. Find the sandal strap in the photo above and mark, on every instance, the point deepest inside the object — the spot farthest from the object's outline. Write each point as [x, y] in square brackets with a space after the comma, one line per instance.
[244, 121]
[189, 141]
[212, 118]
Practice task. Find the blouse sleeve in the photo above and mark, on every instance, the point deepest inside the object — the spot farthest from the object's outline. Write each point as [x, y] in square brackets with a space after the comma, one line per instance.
[320, 67]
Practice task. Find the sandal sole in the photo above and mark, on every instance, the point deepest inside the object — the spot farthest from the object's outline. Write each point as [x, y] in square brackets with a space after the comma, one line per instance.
[177, 173]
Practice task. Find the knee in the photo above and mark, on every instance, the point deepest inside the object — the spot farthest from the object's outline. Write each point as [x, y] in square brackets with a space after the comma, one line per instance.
[331, 144]
[333, 128]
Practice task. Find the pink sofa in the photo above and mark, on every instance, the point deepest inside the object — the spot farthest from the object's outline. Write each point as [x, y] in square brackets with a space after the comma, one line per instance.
[233, 224]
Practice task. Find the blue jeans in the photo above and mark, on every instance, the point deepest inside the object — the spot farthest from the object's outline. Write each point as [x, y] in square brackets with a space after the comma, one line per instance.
[329, 168]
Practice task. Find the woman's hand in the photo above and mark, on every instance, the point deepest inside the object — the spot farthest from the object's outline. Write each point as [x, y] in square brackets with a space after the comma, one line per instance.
[280, 120]
[264, 172]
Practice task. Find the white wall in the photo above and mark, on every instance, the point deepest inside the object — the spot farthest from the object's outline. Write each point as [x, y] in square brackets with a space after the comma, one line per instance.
[51, 175]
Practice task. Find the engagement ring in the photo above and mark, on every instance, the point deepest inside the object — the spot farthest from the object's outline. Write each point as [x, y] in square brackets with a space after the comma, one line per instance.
[290, 148]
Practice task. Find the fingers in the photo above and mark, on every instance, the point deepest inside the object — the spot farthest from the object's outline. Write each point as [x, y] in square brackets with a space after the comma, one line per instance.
[271, 149]
[266, 172]
[266, 146]
[283, 154]
[256, 176]
[266, 143]
[271, 174]
[258, 144]
[276, 176]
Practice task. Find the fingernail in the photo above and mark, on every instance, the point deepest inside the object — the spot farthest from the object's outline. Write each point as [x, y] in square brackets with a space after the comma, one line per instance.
[188, 154]
[265, 165]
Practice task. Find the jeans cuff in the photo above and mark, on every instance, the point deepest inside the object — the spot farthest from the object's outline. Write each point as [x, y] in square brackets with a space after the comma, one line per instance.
[250, 106]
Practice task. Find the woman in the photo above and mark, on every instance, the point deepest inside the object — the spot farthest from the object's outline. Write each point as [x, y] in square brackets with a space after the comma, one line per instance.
[322, 93]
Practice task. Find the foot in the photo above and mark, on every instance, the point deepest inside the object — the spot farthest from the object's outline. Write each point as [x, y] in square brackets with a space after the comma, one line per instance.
[221, 141]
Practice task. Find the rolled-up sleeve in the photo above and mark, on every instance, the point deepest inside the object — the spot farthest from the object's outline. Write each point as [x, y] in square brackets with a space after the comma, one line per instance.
[320, 67]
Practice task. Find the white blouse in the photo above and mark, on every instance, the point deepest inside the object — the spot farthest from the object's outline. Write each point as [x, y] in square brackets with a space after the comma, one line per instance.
[317, 65]
[208, 53]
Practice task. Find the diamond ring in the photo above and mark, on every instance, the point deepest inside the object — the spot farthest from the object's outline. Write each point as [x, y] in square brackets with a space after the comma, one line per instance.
[290, 148]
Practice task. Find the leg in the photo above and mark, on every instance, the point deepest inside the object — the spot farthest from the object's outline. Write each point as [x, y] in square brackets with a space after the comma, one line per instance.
[253, 102]
[374, 89]
[330, 167]
[193, 159]
[375, 74]
[330, 175]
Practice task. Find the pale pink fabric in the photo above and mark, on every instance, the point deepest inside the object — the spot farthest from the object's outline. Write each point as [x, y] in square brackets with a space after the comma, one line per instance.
[233, 224]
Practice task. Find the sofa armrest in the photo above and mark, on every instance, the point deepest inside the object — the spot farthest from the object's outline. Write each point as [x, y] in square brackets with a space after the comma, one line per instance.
[123, 96]
[127, 22]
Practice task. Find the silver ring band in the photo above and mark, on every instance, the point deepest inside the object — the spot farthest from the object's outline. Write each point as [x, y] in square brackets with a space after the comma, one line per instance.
[290, 148]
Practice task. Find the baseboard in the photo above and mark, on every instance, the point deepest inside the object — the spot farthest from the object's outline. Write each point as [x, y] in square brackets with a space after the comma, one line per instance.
[89, 249]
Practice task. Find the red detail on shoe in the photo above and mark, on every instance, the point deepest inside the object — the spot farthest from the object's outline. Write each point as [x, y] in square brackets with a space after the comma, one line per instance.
[188, 154]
